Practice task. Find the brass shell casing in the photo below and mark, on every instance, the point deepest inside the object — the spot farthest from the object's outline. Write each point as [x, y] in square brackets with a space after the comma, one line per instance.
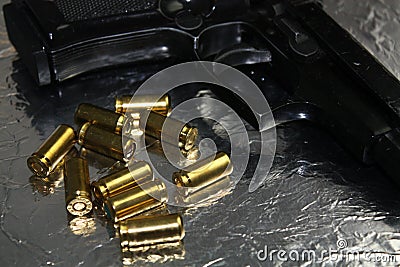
[150, 230]
[77, 187]
[106, 119]
[187, 135]
[99, 161]
[47, 185]
[101, 141]
[208, 193]
[52, 151]
[135, 201]
[122, 180]
[142, 102]
[204, 172]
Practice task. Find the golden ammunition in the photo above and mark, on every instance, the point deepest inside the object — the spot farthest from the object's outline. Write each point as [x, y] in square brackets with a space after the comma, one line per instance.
[208, 194]
[100, 161]
[106, 119]
[155, 146]
[135, 201]
[52, 151]
[151, 230]
[142, 102]
[47, 185]
[77, 187]
[187, 135]
[204, 172]
[101, 141]
[118, 182]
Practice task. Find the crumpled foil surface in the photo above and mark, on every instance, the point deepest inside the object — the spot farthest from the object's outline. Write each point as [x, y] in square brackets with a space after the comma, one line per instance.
[317, 197]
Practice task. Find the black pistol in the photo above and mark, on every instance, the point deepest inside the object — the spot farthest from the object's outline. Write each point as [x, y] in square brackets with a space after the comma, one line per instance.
[330, 79]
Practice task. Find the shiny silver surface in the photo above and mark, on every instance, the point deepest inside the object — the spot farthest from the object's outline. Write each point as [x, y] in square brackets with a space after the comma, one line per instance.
[317, 195]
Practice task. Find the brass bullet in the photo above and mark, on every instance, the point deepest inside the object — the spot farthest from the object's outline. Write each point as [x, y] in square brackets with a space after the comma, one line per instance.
[122, 180]
[207, 194]
[47, 185]
[187, 135]
[150, 230]
[155, 146]
[100, 161]
[77, 187]
[204, 172]
[142, 102]
[135, 201]
[101, 141]
[106, 119]
[52, 151]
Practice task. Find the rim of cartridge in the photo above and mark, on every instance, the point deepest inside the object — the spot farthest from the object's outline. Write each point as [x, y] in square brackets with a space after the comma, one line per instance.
[188, 136]
[82, 132]
[100, 191]
[80, 206]
[119, 103]
[39, 165]
[167, 100]
[120, 124]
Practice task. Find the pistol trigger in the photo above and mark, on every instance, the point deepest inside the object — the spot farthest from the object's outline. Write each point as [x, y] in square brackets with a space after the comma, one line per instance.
[243, 54]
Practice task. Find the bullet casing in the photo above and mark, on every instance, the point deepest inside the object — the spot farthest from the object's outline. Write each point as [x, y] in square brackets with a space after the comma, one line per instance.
[106, 119]
[135, 201]
[46, 185]
[187, 134]
[150, 230]
[206, 194]
[99, 161]
[204, 172]
[52, 151]
[122, 180]
[77, 187]
[141, 103]
[101, 141]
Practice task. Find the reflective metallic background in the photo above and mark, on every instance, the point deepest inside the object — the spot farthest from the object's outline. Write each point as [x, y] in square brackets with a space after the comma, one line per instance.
[316, 196]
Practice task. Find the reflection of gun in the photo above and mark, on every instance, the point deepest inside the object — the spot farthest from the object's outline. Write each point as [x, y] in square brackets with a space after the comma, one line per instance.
[327, 75]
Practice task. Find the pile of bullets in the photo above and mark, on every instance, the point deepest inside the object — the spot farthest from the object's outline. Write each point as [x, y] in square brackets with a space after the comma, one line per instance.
[128, 195]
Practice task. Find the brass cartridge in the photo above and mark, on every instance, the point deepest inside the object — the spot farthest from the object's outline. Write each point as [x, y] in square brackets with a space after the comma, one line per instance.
[106, 119]
[77, 187]
[135, 201]
[118, 182]
[187, 135]
[47, 185]
[150, 230]
[142, 102]
[100, 161]
[52, 151]
[101, 141]
[208, 194]
[204, 172]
